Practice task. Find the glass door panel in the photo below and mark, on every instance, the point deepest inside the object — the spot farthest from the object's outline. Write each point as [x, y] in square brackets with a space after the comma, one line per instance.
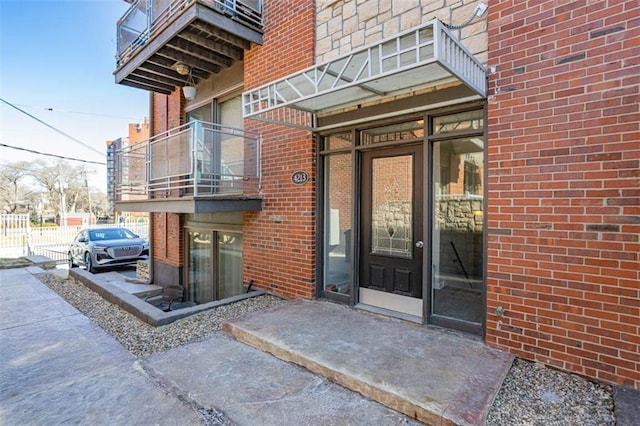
[392, 206]
[200, 267]
[457, 237]
[229, 265]
[337, 222]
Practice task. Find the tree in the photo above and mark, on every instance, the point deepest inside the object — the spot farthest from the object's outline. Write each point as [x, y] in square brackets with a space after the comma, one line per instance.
[55, 187]
[13, 188]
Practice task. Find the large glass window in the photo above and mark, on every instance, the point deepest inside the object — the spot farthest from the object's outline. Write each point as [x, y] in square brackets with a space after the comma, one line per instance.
[220, 149]
[457, 237]
[214, 270]
[200, 267]
[229, 265]
[231, 144]
[337, 222]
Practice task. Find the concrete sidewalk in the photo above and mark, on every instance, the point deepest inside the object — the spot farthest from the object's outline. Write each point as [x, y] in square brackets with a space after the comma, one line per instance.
[57, 367]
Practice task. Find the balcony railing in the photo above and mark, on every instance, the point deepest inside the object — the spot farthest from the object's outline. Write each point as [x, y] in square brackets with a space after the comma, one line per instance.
[197, 159]
[154, 36]
[146, 17]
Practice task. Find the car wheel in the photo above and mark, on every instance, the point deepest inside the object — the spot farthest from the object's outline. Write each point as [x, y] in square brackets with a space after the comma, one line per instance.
[71, 264]
[88, 263]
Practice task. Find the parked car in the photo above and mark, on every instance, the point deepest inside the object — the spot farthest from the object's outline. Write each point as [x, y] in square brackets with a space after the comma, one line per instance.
[96, 248]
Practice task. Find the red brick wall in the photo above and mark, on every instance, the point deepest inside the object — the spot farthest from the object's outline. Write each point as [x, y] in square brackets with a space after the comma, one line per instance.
[279, 241]
[564, 184]
[167, 111]
[168, 244]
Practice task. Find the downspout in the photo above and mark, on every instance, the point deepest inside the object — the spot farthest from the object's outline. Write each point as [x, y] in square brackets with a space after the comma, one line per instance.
[151, 263]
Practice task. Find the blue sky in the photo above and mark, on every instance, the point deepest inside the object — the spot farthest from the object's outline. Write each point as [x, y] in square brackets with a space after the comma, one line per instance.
[59, 54]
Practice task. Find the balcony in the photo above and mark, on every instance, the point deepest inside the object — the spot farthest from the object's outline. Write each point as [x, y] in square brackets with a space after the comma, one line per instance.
[154, 36]
[198, 167]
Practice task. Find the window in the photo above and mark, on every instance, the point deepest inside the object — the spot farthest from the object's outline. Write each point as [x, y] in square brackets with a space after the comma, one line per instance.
[458, 222]
[214, 265]
[220, 148]
[337, 219]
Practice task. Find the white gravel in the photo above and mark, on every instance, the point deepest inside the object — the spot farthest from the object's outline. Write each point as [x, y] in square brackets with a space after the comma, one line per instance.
[531, 394]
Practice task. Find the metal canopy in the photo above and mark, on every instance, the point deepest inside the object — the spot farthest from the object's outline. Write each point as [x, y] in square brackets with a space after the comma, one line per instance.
[419, 58]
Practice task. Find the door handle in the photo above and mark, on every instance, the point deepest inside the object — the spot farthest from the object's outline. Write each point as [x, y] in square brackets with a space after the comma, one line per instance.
[419, 244]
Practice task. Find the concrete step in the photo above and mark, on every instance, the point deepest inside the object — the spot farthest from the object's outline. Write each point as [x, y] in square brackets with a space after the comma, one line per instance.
[41, 261]
[434, 376]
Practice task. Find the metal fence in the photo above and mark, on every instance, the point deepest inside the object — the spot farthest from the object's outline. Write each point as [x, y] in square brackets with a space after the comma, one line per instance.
[18, 238]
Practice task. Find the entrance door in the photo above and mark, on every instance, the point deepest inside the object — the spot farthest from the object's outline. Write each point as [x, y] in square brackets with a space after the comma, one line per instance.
[391, 229]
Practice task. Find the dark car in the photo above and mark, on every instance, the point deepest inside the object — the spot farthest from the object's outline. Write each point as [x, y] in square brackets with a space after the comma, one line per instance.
[103, 247]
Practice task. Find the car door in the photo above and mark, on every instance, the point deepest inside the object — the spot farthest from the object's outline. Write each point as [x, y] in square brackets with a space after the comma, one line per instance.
[77, 247]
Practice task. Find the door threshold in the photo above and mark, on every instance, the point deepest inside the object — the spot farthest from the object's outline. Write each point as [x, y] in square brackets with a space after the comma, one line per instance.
[389, 313]
[393, 302]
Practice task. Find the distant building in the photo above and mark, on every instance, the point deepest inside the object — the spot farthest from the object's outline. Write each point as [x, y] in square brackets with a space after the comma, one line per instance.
[138, 133]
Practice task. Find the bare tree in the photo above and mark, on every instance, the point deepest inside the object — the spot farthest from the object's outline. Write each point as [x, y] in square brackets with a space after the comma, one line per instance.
[13, 189]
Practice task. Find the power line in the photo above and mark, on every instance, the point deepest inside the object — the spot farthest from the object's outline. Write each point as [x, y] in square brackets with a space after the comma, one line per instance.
[52, 155]
[53, 128]
[96, 114]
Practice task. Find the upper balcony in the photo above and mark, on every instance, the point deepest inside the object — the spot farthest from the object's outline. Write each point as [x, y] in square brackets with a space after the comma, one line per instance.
[154, 36]
[198, 167]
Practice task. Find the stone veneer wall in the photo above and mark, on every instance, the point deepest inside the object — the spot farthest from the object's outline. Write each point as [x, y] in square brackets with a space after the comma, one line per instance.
[345, 25]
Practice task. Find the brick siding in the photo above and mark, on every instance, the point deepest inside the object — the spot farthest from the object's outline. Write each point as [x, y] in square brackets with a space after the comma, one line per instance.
[168, 246]
[279, 241]
[564, 185]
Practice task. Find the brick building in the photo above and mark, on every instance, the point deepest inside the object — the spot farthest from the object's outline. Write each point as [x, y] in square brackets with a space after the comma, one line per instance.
[429, 160]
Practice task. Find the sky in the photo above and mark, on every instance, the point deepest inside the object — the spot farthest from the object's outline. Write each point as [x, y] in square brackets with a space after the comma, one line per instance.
[57, 59]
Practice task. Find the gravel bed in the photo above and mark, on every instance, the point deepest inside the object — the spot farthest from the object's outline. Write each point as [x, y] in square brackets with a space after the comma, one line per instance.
[140, 338]
[531, 394]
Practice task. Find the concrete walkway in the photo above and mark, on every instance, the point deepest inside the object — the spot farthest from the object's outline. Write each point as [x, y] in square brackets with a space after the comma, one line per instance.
[431, 375]
[57, 367]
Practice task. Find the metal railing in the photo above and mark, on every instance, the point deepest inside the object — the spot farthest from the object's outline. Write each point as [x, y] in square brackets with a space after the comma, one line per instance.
[145, 18]
[197, 158]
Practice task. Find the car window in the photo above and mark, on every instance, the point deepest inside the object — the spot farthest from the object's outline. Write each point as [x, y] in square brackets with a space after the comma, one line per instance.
[111, 234]
[97, 235]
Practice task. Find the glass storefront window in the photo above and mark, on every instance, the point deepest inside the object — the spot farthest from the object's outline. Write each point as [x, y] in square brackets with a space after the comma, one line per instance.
[457, 237]
[343, 140]
[337, 223]
[402, 132]
[463, 121]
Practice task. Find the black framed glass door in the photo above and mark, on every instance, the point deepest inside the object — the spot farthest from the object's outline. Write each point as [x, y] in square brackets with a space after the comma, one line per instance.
[391, 228]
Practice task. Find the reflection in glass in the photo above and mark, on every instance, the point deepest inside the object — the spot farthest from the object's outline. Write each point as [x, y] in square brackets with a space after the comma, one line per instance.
[337, 223]
[339, 141]
[200, 280]
[214, 272]
[392, 206]
[229, 265]
[407, 131]
[469, 120]
[457, 250]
